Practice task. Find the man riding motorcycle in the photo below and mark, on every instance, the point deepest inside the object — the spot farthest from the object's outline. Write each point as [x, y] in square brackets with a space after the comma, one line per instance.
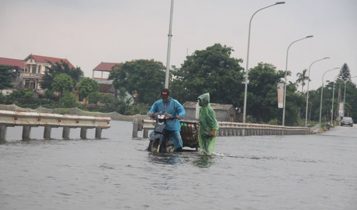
[174, 112]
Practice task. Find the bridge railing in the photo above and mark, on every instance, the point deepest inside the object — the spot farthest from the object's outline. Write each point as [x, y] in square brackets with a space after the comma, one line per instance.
[49, 121]
[230, 129]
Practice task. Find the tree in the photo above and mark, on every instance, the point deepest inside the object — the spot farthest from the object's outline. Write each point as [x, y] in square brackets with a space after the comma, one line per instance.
[24, 98]
[262, 96]
[87, 86]
[60, 68]
[349, 97]
[142, 79]
[61, 83]
[352, 100]
[343, 78]
[302, 79]
[7, 75]
[350, 105]
[68, 100]
[211, 70]
[295, 105]
[345, 73]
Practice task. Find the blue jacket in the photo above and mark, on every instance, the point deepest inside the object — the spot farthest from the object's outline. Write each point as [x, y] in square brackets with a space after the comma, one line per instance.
[172, 107]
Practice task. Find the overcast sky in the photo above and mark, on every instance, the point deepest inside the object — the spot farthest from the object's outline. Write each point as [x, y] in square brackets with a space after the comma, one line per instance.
[87, 32]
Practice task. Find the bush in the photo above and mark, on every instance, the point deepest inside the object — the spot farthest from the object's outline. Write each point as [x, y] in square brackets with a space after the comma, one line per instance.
[68, 100]
[137, 109]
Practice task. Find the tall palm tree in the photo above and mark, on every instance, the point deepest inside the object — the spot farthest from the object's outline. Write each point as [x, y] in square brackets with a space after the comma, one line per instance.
[302, 79]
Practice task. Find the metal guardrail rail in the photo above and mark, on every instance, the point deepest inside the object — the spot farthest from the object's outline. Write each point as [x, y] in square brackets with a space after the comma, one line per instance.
[231, 129]
[34, 119]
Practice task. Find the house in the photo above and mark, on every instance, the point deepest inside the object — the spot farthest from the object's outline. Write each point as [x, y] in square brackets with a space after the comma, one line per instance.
[224, 112]
[32, 69]
[102, 70]
[35, 68]
[101, 74]
[17, 66]
[15, 63]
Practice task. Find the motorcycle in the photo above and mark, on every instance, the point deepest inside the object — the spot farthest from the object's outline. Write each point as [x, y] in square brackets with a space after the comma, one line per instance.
[159, 138]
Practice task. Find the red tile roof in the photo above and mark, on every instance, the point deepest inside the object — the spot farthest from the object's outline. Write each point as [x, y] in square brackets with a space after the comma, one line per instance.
[104, 66]
[46, 59]
[12, 62]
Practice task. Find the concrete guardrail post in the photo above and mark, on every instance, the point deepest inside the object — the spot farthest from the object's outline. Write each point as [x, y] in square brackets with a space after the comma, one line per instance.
[145, 133]
[98, 133]
[83, 133]
[3, 133]
[135, 128]
[65, 133]
[240, 131]
[26, 131]
[47, 132]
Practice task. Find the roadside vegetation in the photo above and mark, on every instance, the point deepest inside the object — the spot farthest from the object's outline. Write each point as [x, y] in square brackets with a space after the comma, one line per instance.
[137, 85]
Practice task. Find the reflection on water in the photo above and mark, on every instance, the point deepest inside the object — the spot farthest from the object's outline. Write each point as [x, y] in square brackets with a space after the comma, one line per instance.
[204, 161]
[164, 158]
[197, 159]
[306, 172]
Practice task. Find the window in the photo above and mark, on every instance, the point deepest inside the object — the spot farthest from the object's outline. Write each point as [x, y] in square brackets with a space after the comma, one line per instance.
[33, 69]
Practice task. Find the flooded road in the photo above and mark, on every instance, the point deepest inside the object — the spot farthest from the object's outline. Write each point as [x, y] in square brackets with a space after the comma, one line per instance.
[256, 172]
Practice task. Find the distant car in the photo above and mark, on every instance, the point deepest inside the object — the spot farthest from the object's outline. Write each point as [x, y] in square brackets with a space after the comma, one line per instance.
[347, 121]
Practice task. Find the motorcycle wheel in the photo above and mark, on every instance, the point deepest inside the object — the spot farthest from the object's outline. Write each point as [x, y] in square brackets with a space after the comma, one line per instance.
[153, 144]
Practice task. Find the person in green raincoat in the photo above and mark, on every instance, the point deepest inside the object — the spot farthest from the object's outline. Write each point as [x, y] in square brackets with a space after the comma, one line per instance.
[208, 125]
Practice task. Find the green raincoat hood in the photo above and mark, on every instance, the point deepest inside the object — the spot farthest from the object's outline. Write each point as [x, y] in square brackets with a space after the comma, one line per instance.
[204, 99]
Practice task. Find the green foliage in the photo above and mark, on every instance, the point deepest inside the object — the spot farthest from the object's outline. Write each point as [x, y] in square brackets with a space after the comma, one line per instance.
[87, 86]
[314, 105]
[295, 104]
[351, 99]
[302, 78]
[7, 75]
[262, 97]
[350, 106]
[211, 70]
[62, 82]
[24, 98]
[143, 79]
[137, 109]
[60, 68]
[2, 99]
[109, 103]
[345, 73]
[94, 97]
[68, 100]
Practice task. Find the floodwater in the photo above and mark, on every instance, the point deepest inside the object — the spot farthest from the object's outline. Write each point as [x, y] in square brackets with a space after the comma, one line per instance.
[247, 173]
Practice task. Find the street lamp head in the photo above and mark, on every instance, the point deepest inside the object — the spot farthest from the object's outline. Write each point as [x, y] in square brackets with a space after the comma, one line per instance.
[326, 58]
[310, 36]
[280, 2]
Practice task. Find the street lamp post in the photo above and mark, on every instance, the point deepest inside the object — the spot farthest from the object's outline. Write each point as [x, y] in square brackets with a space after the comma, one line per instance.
[247, 60]
[322, 91]
[167, 74]
[307, 88]
[333, 99]
[344, 98]
[286, 72]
